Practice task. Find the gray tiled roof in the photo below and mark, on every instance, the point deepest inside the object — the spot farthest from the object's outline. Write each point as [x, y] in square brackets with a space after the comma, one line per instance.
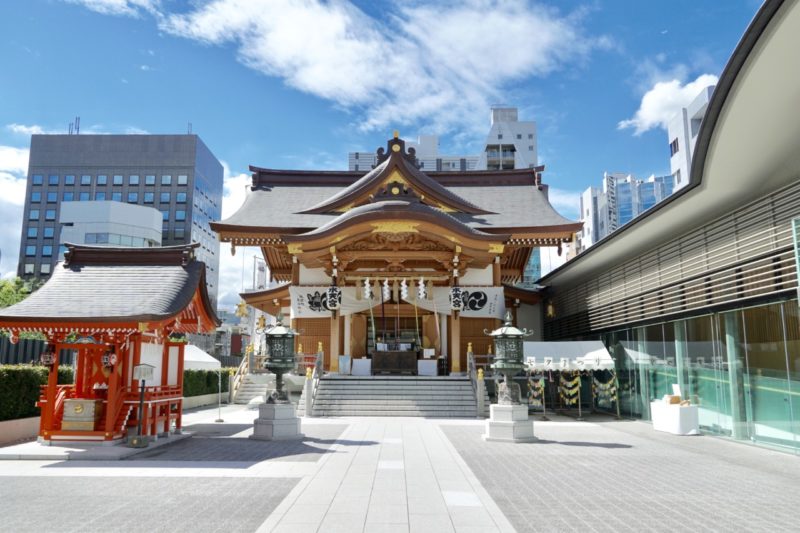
[514, 206]
[109, 290]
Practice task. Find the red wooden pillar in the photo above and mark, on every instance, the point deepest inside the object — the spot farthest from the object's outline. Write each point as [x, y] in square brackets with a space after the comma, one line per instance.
[111, 398]
[49, 411]
[179, 418]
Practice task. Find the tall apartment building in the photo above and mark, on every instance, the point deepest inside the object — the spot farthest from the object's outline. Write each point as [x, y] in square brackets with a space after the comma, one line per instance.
[510, 143]
[175, 174]
[621, 199]
[428, 158]
[682, 131]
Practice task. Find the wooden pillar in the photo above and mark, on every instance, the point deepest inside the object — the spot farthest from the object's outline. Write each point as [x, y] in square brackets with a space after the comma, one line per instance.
[497, 272]
[79, 370]
[111, 398]
[295, 271]
[48, 414]
[165, 361]
[348, 332]
[455, 344]
[334, 344]
[179, 418]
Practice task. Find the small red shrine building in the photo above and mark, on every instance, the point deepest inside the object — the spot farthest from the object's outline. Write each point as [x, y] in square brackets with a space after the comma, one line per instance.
[115, 308]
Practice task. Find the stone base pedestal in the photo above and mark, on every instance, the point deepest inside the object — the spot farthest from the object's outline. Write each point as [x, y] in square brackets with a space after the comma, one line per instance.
[509, 423]
[276, 421]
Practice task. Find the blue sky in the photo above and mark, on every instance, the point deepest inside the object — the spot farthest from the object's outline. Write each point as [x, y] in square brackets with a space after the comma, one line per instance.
[291, 84]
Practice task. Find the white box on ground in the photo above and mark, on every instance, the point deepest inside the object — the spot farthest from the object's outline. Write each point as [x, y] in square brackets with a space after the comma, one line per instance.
[361, 367]
[426, 367]
[674, 418]
[344, 364]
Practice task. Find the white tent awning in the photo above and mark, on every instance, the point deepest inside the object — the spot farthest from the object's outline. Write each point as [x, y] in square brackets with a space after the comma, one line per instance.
[196, 359]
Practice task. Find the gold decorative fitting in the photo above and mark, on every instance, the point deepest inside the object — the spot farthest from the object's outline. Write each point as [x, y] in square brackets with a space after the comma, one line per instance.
[319, 347]
[143, 326]
[294, 248]
[299, 347]
[496, 248]
[309, 372]
[395, 148]
[395, 226]
[395, 190]
[469, 347]
[396, 134]
[480, 374]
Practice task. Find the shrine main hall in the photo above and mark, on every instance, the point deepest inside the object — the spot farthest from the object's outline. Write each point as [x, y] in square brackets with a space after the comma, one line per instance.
[397, 265]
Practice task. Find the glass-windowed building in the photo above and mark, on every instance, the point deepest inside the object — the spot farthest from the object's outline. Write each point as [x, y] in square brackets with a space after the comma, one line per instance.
[701, 290]
[177, 175]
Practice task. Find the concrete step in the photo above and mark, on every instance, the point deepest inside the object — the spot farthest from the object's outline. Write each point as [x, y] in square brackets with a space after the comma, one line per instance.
[437, 413]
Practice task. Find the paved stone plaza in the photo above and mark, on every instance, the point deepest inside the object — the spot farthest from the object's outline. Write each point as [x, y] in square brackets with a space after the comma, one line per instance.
[404, 474]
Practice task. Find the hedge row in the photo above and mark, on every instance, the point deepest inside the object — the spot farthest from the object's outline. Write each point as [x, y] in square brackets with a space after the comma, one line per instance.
[20, 386]
[199, 382]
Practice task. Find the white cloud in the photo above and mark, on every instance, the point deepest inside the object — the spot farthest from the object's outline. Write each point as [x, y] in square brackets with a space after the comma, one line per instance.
[663, 100]
[13, 171]
[22, 129]
[567, 203]
[232, 269]
[415, 64]
[130, 8]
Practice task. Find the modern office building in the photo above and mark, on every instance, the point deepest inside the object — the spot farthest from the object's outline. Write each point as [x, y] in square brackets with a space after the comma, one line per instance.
[510, 143]
[175, 174]
[107, 224]
[702, 290]
[682, 131]
[621, 199]
[428, 158]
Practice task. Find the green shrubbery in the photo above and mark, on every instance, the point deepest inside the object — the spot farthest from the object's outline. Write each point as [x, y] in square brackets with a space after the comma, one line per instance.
[199, 382]
[20, 387]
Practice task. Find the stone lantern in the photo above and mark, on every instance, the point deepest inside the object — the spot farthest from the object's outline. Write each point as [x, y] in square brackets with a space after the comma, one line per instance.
[277, 418]
[509, 420]
[508, 359]
[280, 356]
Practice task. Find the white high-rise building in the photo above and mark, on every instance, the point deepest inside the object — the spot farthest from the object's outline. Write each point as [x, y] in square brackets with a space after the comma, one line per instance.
[510, 143]
[427, 150]
[682, 131]
[622, 198]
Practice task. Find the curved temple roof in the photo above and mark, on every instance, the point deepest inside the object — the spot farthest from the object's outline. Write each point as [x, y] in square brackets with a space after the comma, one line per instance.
[116, 285]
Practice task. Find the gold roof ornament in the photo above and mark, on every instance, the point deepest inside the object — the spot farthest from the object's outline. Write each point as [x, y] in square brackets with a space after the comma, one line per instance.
[241, 310]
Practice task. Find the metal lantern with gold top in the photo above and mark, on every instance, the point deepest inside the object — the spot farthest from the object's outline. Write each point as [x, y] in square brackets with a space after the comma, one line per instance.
[280, 355]
[508, 342]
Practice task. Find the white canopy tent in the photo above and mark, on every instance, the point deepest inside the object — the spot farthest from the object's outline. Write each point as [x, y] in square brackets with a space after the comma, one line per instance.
[568, 355]
[196, 359]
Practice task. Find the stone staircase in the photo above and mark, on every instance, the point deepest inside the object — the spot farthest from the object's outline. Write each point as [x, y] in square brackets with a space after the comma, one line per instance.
[444, 397]
[254, 386]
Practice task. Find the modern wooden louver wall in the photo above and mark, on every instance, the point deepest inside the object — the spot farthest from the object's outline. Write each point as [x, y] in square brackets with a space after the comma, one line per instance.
[746, 254]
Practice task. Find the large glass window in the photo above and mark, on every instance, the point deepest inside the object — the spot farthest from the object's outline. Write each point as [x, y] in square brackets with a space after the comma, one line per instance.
[179, 233]
[180, 214]
[166, 180]
[30, 250]
[133, 197]
[50, 214]
[183, 179]
[37, 179]
[33, 214]
[69, 179]
[102, 179]
[45, 268]
[30, 268]
[90, 238]
[118, 180]
[36, 196]
[52, 197]
[49, 231]
[99, 196]
[33, 233]
[47, 250]
[165, 197]
[116, 196]
[83, 197]
[133, 180]
[53, 179]
[69, 196]
[180, 197]
[150, 179]
[148, 197]
[86, 179]
[165, 214]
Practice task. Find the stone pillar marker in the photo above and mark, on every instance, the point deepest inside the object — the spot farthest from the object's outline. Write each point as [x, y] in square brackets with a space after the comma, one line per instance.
[509, 420]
